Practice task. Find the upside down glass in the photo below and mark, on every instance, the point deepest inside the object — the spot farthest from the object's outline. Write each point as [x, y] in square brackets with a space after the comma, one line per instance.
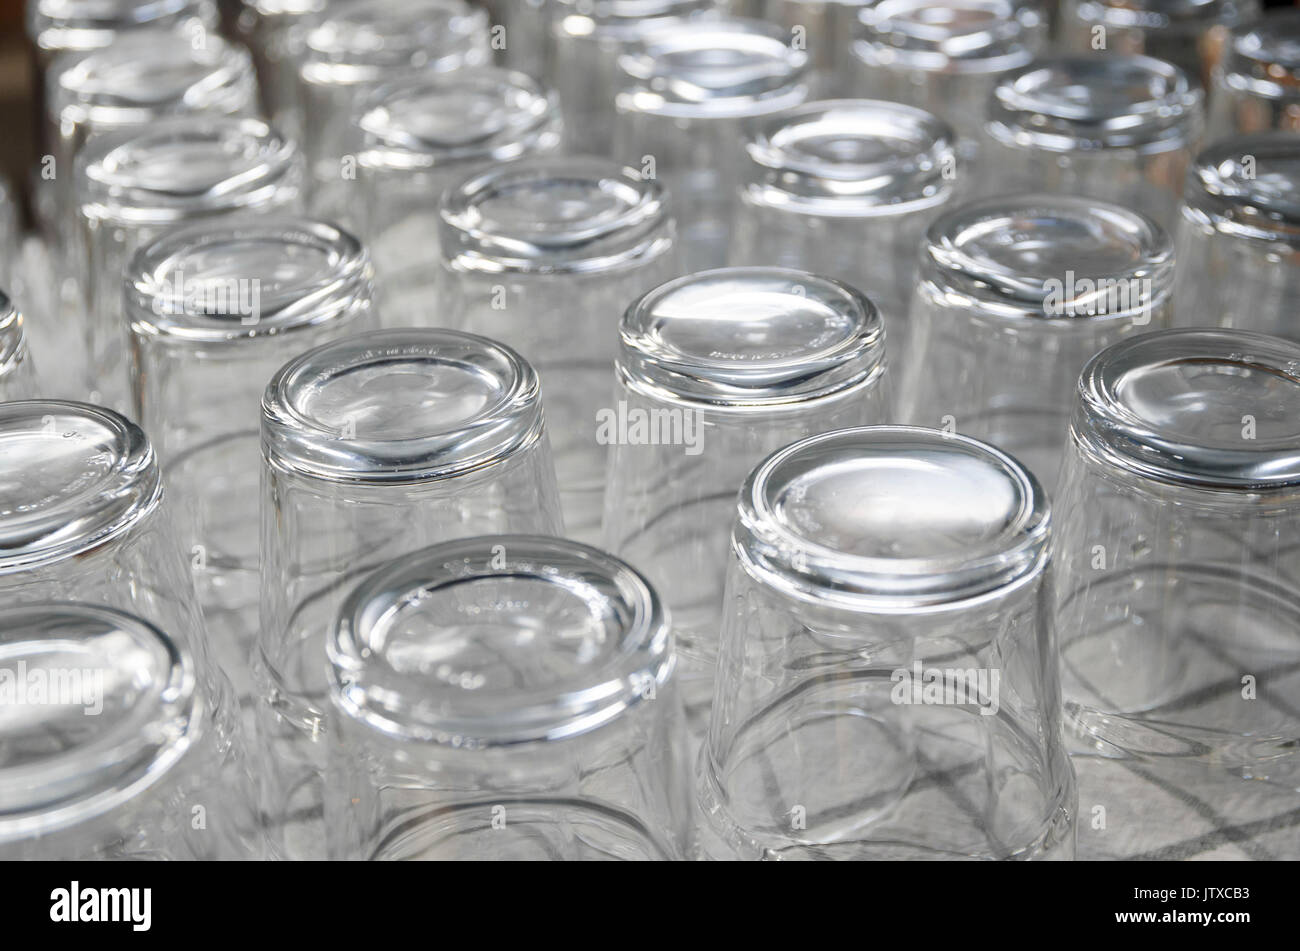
[110, 746]
[1179, 597]
[587, 39]
[1191, 34]
[545, 254]
[1256, 86]
[846, 189]
[1014, 296]
[133, 185]
[215, 309]
[716, 370]
[374, 446]
[356, 47]
[687, 91]
[944, 57]
[1238, 237]
[420, 136]
[1116, 127]
[82, 518]
[887, 678]
[505, 697]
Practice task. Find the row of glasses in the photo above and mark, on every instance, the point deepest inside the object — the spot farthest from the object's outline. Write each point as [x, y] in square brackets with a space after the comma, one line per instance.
[214, 310]
[375, 446]
[543, 254]
[83, 518]
[421, 136]
[715, 371]
[133, 185]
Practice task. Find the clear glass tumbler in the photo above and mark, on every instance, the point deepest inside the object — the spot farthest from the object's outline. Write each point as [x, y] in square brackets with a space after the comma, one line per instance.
[944, 57]
[134, 184]
[1118, 128]
[1239, 237]
[887, 683]
[505, 697]
[139, 78]
[1191, 34]
[825, 28]
[545, 254]
[215, 309]
[1256, 86]
[716, 371]
[1179, 554]
[17, 374]
[419, 137]
[587, 39]
[355, 48]
[686, 93]
[373, 447]
[846, 189]
[110, 745]
[1015, 295]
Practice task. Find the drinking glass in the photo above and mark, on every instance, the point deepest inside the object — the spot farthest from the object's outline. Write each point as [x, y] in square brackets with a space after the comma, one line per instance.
[17, 375]
[587, 39]
[1179, 604]
[419, 137]
[1238, 236]
[1117, 128]
[887, 678]
[134, 184]
[375, 446]
[717, 370]
[846, 189]
[825, 28]
[1015, 295]
[686, 93]
[545, 254]
[271, 29]
[356, 47]
[214, 310]
[110, 745]
[141, 77]
[1254, 86]
[1191, 34]
[944, 58]
[505, 697]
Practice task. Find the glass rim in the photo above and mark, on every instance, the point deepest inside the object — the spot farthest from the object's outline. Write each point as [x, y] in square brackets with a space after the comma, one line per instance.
[1157, 16]
[649, 362]
[810, 570]
[136, 749]
[218, 79]
[159, 297]
[952, 263]
[528, 120]
[622, 21]
[1029, 107]
[414, 707]
[634, 225]
[1110, 429]
[1220, 195]
[265, 170]
[780, 174]
[777, 77]
[1012, 36]
[507, 423]
[118, 486]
